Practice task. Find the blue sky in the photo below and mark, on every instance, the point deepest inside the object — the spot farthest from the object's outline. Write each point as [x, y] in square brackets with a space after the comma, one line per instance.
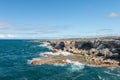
[37, 19]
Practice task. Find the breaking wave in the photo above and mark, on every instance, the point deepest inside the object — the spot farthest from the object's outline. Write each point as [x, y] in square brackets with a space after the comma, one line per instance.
[55, 54]
[46, 44]
[75, 66]
[30, 61]
[56, 64]
[72, 65]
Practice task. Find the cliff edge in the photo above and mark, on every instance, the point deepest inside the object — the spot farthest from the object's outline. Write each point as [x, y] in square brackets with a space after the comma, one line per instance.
[98, 52]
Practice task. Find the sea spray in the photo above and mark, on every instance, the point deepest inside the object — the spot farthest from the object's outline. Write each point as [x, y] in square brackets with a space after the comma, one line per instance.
[29, 61]
[33, 59]
[56, 53]
[74, 66]
[56, 64]
[46, 44]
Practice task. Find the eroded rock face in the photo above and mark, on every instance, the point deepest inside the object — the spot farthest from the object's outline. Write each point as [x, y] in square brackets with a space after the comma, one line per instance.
[86, 46]
[101, 52]
[104, 48]
[60, 45]
[113, 46]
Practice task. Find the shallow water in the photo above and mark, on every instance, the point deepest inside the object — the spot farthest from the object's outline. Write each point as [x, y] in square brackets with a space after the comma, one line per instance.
[14, 56]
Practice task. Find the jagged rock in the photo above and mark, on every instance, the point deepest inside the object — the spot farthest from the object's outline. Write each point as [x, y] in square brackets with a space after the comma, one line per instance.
[96, 44]
[100, 47]
[115, 56]
[84, 45]
[60, 45]
[111, 62]
[117, 43]
[78, 44]
[104, 52]
[94, 52]
[113, 50]
[53, 44]
[118, 50]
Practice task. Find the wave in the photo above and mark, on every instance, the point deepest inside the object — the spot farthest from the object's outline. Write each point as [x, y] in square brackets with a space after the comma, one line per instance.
[56, 64]
[30, 61]
[46, 44]
[72, 65]
[45, 54]
[75, 66]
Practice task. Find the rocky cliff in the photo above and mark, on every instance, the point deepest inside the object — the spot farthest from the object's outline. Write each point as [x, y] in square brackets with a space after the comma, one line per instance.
[106, 49]
[103, 52]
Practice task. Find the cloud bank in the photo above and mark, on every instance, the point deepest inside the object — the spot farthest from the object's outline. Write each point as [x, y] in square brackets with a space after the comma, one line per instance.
[2, 36]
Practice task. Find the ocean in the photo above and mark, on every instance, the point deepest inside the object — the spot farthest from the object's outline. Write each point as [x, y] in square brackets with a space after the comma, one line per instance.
[15, 56]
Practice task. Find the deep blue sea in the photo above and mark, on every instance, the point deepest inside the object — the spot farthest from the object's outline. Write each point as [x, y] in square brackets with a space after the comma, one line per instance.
[14, 65]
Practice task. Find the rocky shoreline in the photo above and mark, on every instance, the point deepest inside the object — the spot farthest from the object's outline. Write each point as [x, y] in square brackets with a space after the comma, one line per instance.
[96, 52]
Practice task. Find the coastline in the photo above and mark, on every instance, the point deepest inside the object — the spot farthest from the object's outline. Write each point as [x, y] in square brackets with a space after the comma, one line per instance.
[96, 52]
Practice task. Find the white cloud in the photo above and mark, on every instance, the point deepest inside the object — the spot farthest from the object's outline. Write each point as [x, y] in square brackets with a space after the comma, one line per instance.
[2, 36]
[112, 15]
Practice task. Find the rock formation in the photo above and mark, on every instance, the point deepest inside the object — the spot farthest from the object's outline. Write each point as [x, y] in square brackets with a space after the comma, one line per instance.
[100, 51]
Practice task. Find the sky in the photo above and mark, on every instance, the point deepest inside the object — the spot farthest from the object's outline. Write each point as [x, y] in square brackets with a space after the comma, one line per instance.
[54, 19]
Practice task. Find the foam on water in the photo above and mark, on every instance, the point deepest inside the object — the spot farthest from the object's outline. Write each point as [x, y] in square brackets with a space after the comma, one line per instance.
[56, 64]
[55, 54]
[30, 61]
[45, 44]
[75, 66]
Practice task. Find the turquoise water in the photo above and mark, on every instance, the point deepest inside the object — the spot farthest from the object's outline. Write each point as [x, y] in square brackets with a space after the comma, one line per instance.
[15, 54]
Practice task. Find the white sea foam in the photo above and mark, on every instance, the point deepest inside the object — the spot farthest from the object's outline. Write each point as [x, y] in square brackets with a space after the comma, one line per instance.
[75, 66]
[55, 54]
[29, 61]
[46, 44]
[72, 65]
[36, 59]
[56, 64]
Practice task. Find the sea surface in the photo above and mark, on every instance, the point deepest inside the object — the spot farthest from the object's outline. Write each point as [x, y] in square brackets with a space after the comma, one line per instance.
[15, 56]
